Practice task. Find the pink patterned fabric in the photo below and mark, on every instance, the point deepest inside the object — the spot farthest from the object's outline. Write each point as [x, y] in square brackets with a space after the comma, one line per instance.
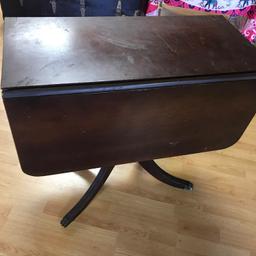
[228, 7]
[249, 30]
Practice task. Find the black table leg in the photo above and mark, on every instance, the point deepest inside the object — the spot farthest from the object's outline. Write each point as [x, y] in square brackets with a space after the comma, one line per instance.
[157, 172]
[150, 166]
[88, 196]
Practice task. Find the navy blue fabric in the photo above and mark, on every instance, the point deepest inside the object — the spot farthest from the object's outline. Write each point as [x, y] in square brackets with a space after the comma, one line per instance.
[67, 8]
[11, 8]
[130, 6]
[38, 8]
[101, 7]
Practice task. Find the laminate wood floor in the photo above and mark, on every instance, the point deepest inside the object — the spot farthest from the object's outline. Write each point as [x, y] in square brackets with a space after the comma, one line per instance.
[134, 215]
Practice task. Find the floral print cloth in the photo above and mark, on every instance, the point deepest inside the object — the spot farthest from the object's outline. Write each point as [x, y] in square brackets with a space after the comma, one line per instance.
[249, 30]
[228, 7]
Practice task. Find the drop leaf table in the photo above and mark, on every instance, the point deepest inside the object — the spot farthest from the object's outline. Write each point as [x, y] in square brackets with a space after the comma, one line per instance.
[96, 92]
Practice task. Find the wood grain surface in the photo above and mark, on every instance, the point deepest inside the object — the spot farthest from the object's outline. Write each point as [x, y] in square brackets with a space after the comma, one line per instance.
[134, 215]
[122, 112]
[67, 132]
[58, 51]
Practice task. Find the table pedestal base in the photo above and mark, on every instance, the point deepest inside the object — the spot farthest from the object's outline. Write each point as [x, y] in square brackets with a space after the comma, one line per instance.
[150, 166]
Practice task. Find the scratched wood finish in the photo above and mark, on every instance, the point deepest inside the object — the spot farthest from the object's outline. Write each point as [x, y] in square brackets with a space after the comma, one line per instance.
[217, 218]
[70, 51]
[107, 94]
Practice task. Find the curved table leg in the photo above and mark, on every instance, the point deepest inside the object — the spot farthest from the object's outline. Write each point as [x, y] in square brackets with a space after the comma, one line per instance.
[157, 172]
[150, 166]
[88, 196]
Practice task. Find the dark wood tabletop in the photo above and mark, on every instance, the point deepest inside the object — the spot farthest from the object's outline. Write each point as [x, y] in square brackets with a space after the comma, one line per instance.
[57, 51]
[175, 86]
[96, 92]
